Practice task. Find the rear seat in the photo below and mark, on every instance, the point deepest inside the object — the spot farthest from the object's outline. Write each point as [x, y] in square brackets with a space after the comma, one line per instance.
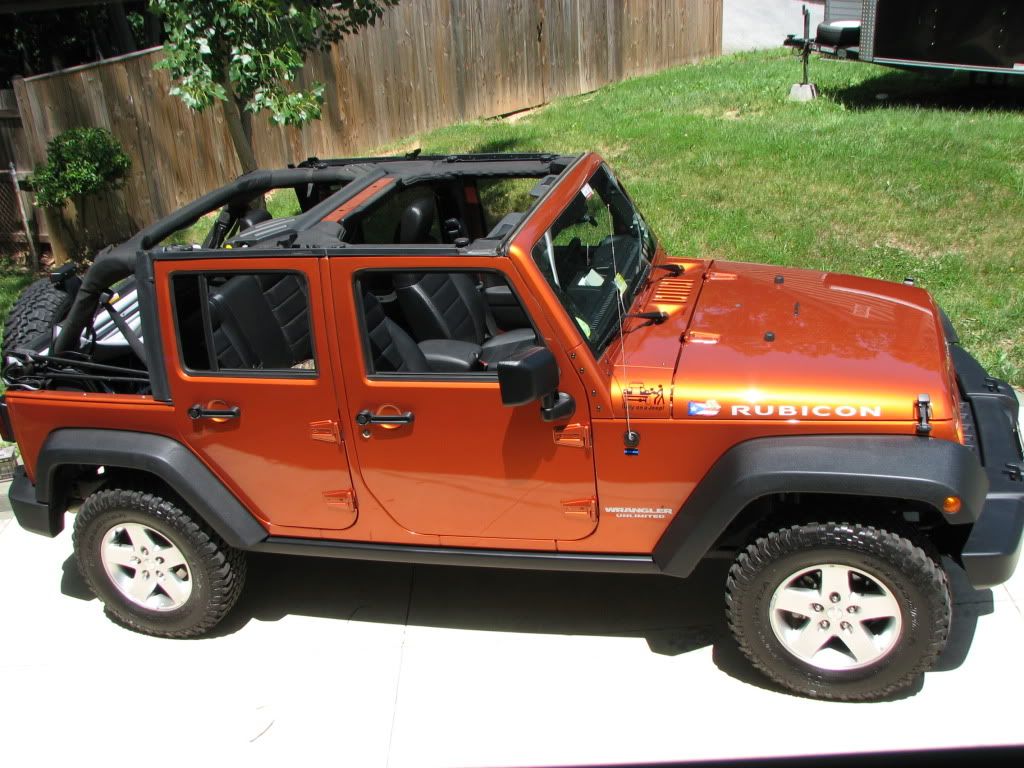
[261, 321]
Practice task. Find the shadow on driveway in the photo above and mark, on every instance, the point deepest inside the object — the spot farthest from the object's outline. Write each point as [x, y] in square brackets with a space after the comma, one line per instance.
[674, 616]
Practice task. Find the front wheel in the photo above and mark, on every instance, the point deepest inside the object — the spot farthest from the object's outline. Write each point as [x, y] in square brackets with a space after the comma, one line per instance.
[839, 611]
[157, 569]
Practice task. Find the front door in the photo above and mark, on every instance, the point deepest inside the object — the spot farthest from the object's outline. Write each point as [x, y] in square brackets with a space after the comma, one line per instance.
[252, 384]
[449, 459]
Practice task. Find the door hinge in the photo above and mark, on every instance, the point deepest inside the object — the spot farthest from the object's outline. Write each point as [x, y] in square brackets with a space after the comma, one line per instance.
[572, 435]
[580, 509]
[341, 501]
[325, 431]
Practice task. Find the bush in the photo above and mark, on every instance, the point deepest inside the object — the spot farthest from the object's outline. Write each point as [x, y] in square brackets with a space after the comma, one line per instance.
[80, 162]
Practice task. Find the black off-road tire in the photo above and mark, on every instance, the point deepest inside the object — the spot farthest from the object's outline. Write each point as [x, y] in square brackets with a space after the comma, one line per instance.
[40, 307]
[913, 576]
[216, 571]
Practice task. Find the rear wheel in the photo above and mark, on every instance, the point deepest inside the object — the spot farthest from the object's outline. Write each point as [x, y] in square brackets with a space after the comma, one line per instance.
[39, 308]
[157, 570]
[839, 611]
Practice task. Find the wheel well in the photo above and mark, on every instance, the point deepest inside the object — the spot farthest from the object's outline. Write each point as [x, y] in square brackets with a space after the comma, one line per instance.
[72, 483]
[779, 510]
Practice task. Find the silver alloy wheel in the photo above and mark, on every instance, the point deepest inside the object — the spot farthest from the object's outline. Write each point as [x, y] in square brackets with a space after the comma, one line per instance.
[835, 617]
[146, 567]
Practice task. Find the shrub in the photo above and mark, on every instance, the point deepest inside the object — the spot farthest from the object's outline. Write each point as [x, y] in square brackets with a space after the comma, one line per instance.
[80, 162]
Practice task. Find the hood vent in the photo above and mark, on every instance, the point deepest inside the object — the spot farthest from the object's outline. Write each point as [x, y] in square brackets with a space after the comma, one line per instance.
[673, 290]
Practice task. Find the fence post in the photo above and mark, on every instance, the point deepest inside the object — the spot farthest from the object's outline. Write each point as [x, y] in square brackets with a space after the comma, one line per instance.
[33, 262]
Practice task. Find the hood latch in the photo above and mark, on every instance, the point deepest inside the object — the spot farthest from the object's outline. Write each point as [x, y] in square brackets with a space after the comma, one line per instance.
[924, 412]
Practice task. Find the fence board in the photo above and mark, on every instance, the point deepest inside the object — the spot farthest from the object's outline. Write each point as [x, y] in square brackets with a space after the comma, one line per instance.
[425, 64]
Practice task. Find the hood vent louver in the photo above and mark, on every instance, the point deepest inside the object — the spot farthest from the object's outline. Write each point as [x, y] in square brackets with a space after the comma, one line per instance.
[673, 290]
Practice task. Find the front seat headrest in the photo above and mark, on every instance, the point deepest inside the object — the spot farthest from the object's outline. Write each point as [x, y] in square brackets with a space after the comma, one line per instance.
[252, 217]
[416, 222]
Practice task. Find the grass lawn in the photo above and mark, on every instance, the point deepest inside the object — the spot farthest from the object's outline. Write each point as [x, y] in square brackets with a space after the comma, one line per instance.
[927, 182]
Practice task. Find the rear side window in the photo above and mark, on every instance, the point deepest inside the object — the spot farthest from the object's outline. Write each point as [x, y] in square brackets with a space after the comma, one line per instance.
[500, 197]
[408, 216]
[244, 321]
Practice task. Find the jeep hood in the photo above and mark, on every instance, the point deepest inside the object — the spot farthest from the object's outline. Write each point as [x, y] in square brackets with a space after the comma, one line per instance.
[762, 342]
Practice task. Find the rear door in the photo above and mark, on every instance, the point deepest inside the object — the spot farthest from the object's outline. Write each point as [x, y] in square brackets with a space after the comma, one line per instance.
[252, 386]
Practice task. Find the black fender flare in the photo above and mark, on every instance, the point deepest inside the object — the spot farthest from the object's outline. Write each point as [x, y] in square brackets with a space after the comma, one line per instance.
[899, 467]
[158, 455]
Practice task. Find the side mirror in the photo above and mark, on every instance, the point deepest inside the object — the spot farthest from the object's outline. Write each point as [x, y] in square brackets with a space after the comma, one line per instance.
[532, 375]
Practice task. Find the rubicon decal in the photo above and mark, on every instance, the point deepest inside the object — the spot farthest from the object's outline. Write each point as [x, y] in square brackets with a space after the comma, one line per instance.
[793, 411]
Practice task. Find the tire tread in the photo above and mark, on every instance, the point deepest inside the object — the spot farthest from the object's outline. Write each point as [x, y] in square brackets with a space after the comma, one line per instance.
[911, 557]
[226, 566]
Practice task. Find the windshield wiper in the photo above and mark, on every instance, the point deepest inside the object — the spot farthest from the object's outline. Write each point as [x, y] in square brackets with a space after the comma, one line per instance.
[674, 270]
[652, 318]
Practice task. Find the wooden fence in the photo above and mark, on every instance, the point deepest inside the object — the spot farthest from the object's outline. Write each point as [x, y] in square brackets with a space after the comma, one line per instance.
[427, 63]
[12, 142]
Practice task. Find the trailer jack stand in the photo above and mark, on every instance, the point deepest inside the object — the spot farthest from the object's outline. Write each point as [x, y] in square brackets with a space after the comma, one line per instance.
[805, 91]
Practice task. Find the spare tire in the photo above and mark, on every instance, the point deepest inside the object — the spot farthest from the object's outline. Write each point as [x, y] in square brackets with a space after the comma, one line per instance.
[40, 307]
[839, 33]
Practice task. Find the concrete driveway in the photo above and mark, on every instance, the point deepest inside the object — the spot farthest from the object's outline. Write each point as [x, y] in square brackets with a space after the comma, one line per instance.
[366, 664]
[751, 24]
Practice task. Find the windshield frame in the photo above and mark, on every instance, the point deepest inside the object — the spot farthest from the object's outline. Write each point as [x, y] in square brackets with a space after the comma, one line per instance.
[601, 338]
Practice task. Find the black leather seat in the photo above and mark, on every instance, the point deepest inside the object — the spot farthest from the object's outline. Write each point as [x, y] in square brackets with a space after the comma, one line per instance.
[447, 305]
[260, 321]
[416, 222]
[392, 350]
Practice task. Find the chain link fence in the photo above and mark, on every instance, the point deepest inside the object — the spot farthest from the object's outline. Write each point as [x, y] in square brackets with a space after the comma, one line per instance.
[16, 242]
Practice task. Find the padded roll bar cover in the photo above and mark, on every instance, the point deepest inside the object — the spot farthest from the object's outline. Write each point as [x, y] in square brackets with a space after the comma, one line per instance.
[115, 263]
[168, 459]
[899, 467]
[111, 264]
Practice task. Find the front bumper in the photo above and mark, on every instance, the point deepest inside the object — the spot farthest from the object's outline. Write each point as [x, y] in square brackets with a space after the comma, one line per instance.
[994, 544]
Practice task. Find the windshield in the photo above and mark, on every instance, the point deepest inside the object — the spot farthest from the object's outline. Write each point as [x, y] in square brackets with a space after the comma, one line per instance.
[596, 256]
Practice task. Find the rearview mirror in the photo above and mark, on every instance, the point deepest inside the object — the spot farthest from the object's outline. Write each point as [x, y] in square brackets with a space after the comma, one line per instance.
[533, 375]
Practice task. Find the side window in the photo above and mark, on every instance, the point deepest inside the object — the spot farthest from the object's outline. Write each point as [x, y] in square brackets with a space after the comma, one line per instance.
[244, 321]
[500, 197]
[439, 321]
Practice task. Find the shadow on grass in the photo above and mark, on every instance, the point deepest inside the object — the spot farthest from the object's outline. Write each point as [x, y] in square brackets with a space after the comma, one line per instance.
[934, 90]
[506, 144]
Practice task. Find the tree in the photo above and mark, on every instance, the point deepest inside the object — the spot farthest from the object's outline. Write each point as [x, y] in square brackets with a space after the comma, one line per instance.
[33, 42]
[80, 163]
[246, 53]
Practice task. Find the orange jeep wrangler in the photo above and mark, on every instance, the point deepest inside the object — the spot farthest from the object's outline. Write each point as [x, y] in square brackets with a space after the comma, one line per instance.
[488, 360]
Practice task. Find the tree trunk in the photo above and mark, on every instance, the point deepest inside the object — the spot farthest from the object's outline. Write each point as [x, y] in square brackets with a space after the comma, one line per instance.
[124, 39]
[237, 120]
[153, 28]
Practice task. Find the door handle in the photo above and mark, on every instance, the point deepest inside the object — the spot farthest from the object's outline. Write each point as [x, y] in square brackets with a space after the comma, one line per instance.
[199, 412]
[365, 418]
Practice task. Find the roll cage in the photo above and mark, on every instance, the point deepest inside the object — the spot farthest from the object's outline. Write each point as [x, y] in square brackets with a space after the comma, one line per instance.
[329, 194]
